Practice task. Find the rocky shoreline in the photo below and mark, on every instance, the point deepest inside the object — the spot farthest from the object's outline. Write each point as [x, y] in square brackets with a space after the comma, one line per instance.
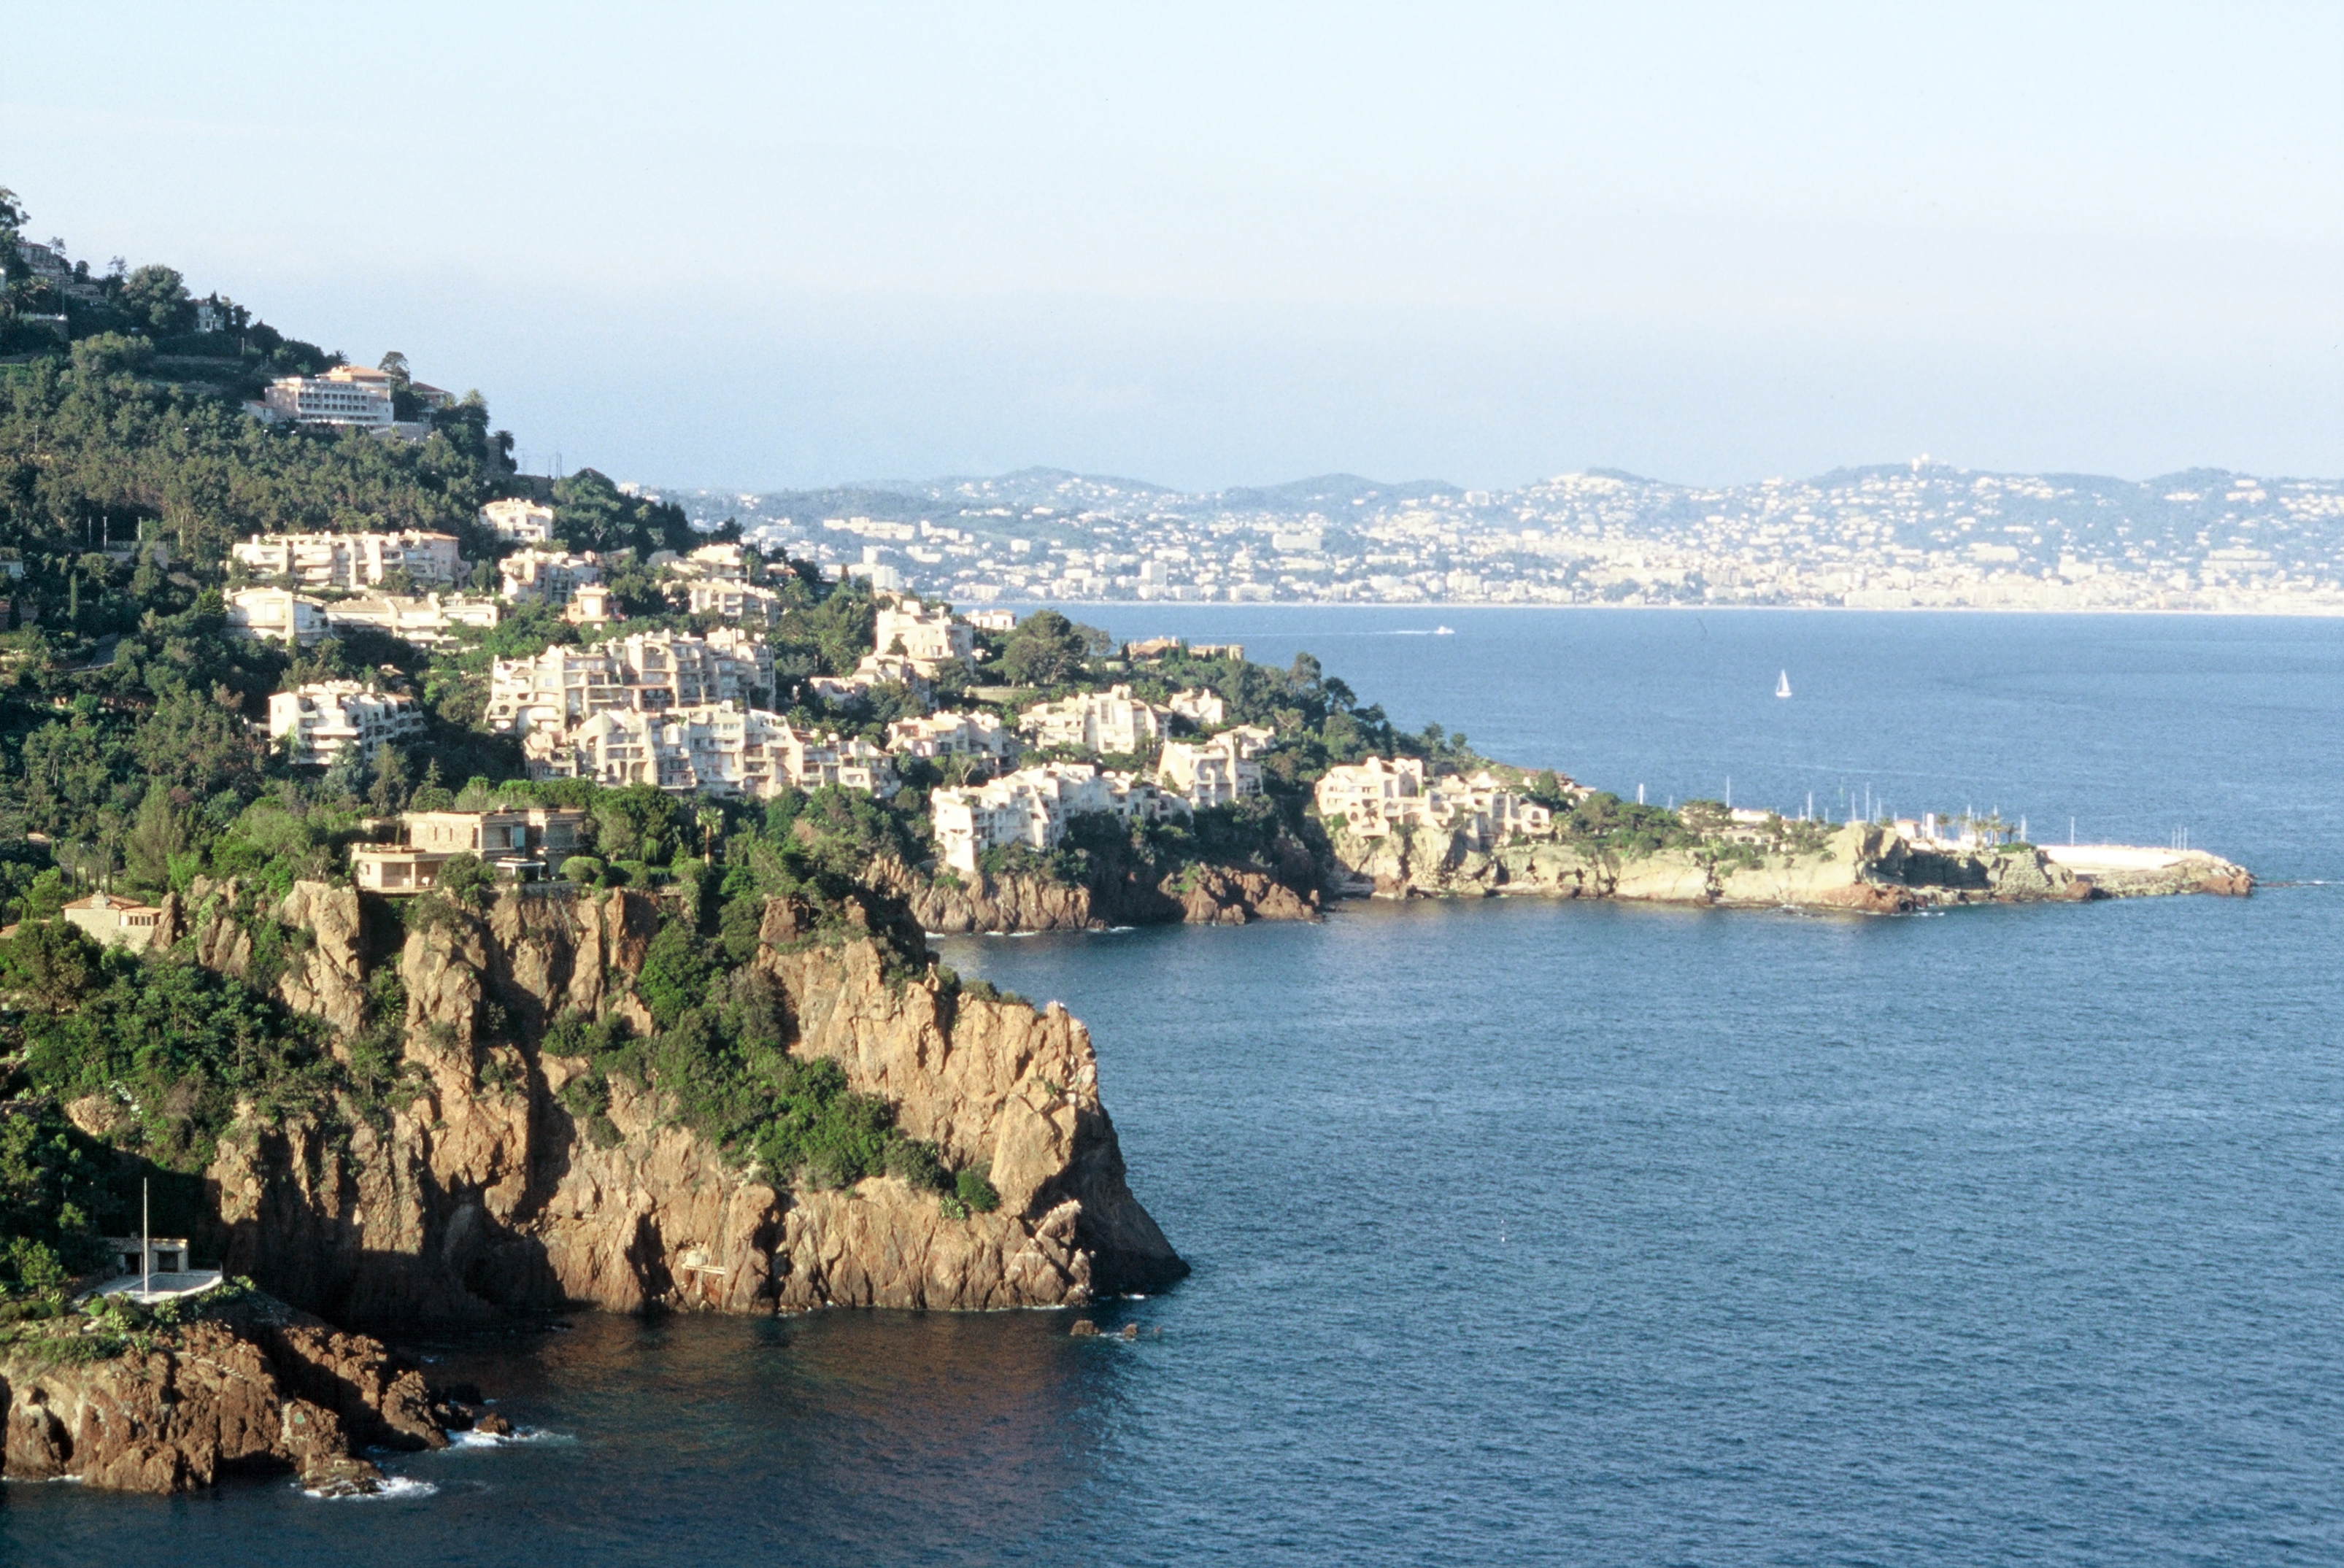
[245, 1385]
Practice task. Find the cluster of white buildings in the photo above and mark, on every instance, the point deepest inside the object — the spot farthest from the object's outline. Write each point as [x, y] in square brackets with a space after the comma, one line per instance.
[1113, 722]
[939, 736]
[647, 671]
[676, 710]
[281, 615]
[532, 576]
[710, 749]
[1033, 807]
[323, 720]
[1380, 795]
[913, 644]
[353, 562]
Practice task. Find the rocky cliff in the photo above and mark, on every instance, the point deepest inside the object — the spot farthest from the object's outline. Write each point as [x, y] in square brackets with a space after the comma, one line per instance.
[251, 1385]
[1197, 895]
[1862, 867]
[476, 1190]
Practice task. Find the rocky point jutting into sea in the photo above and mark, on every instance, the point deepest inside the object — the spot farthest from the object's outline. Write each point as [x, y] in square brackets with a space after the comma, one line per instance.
[481, 1192]
[484, 1191]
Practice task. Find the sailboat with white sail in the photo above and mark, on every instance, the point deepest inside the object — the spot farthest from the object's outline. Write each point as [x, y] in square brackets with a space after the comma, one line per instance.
[1782, 685]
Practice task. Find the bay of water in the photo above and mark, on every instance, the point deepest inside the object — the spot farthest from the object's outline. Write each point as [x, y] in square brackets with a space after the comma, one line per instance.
[1531, 1233]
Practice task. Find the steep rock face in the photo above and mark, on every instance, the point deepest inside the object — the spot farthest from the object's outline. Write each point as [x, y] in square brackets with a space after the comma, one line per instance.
[1863, 866]
[1199, 895]
[262, 1389]
[482, 1192]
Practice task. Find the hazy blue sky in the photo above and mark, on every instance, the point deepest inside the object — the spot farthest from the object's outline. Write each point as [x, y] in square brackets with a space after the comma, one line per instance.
[764, 246]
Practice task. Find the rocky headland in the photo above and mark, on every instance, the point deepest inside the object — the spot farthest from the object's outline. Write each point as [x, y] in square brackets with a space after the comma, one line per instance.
[484, 1190]
[1865, 867]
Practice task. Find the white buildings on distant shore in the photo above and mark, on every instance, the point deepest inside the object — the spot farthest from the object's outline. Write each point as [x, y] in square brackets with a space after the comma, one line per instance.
[519, 520]
[353, 561]
[1114, 722]
[1380, 795]
[323, 720]
[1033, 807]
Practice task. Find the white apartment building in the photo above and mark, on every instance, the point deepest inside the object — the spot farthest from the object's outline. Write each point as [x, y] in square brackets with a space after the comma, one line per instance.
[331, 399]
[952, 736]
[714, 750]
[1110, 722]
[647, 673]
[590, 605]
[275, 614]
[1219, 772]
[930, 638]
[875, 670]
[993, 619]
[353, 561]
[672, 669]
[546, 576]
[716, 563]
[325, 719]
[558, 688]
[424, 621]
[518, 519]
[1379, 794]
[1201, 707]
[732, 600]
[1033, 807]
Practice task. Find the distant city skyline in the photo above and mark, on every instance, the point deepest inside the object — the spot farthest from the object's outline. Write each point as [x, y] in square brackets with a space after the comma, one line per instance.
[775, 247]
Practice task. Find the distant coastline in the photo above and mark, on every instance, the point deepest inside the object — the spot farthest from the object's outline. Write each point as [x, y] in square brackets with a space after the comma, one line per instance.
[2323, 612]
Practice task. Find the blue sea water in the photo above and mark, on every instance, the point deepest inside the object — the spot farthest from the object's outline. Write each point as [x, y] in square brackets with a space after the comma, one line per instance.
[1534, 1233]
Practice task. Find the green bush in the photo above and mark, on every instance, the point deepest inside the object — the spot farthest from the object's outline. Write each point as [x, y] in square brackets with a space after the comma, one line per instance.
[974, 1188]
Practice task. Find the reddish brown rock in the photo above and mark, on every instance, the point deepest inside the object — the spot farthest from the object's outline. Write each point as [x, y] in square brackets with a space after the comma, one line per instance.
[207, 1398]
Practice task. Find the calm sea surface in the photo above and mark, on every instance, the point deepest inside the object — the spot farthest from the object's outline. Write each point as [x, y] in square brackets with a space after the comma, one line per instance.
[1528, 1233]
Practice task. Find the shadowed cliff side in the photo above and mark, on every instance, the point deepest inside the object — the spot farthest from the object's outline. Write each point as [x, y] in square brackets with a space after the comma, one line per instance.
[480, 1189]
[1195, 894]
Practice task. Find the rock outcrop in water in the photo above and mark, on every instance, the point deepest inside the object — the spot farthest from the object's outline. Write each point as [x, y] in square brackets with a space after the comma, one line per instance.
[1863, 866]
[252, 1386]
[479, 1192]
